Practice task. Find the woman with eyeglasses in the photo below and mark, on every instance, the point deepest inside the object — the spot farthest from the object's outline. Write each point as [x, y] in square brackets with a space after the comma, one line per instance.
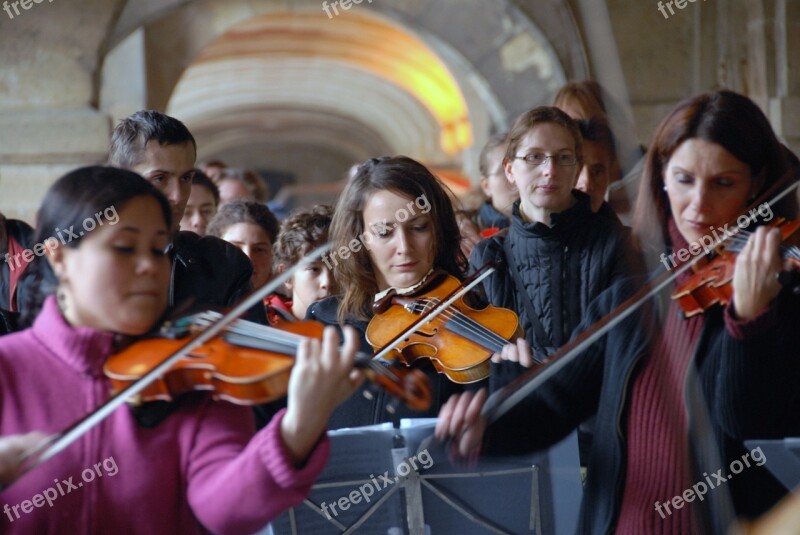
[558, 255]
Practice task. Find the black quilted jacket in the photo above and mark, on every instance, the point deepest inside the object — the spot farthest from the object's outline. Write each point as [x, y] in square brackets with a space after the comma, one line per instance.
[563, 267]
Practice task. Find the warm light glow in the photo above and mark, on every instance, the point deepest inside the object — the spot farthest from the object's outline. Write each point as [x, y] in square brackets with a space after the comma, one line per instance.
[360, 40]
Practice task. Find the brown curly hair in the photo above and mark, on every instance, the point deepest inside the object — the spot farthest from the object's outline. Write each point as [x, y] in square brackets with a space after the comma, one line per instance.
[302, 231]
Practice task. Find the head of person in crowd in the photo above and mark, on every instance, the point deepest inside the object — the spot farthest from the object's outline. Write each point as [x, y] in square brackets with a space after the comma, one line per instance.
[251, 227]
[113, 275]
[213, 169]
[301, 232]
[710, 157]
[543, 159]
[162, 150]
[498, 190]
[393, 223]
[241, 184]
[581, 100]
[599, 157]
[202, 205]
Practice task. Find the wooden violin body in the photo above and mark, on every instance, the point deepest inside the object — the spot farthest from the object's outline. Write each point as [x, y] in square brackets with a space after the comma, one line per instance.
[233, 373]
[459, 342]
[713, 283]
[249, 365]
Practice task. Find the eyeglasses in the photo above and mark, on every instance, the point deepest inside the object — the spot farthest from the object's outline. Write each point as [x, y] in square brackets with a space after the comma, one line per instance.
[539, 158]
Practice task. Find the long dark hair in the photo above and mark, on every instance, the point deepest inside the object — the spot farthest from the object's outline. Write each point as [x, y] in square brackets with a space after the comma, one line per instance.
[722, 117]
[79, 196]
[405, 177]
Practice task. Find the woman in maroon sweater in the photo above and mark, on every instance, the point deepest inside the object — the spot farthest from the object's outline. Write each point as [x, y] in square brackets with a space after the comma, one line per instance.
[654, 464]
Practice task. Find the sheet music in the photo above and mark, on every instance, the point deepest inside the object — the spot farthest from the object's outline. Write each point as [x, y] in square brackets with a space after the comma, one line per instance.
[360, 473]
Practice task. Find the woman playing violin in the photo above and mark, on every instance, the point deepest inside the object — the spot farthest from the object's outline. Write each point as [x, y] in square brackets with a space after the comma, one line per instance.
[202, 469]
[393, 225]
[653, 386]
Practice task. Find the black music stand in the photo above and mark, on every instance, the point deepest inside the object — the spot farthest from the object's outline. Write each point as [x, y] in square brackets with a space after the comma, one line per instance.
[782, 458]
[535, 494]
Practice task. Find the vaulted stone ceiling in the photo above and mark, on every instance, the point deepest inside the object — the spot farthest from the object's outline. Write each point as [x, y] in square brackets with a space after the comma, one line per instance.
[270, 81]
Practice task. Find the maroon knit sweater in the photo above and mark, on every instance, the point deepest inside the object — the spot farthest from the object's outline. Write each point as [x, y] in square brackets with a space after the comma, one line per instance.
[657, 434]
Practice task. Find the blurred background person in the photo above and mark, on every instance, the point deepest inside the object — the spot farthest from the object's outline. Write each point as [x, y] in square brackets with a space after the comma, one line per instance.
[495, 212]
[202, 205]
[241, 184]
[251, 227]
[599, 160]
[15, 237]
[213, 169]
[587, 100]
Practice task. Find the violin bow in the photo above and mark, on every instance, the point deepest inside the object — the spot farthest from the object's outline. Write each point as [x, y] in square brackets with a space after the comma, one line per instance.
[59, 441]
[506, 398]
[425, 318]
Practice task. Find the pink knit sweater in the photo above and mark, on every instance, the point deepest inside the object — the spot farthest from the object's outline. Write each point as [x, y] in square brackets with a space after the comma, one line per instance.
[200, 470]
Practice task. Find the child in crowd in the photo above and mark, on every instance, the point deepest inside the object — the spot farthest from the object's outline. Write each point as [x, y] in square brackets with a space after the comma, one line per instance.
[303, 231]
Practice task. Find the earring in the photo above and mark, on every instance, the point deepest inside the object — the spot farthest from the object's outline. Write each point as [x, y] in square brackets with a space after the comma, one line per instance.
[665, 187]
[61, 299]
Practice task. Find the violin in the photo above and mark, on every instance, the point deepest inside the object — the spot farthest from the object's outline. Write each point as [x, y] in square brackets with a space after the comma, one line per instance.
[249, 364]
[459, 341]
[713, 283]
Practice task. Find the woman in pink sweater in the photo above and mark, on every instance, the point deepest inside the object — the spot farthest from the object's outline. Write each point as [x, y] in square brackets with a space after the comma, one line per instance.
[202, 468]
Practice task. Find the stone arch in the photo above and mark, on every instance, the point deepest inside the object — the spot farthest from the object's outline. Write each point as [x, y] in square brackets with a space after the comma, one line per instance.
[510, 49]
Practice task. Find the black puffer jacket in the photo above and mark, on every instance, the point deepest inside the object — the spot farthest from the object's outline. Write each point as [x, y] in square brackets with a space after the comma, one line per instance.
[360, 410]
[563, 267]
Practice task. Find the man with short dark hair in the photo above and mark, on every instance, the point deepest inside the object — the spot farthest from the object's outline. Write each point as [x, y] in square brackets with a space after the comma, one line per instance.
[206, 270]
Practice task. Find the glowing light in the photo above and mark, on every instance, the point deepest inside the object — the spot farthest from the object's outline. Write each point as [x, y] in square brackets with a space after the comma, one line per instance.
[362, 40]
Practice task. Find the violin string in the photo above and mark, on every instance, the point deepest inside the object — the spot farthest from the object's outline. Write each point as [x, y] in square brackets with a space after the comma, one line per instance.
[737, 243]
[481, 335]
[270, 334]
[256, 331]
[491, 340]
